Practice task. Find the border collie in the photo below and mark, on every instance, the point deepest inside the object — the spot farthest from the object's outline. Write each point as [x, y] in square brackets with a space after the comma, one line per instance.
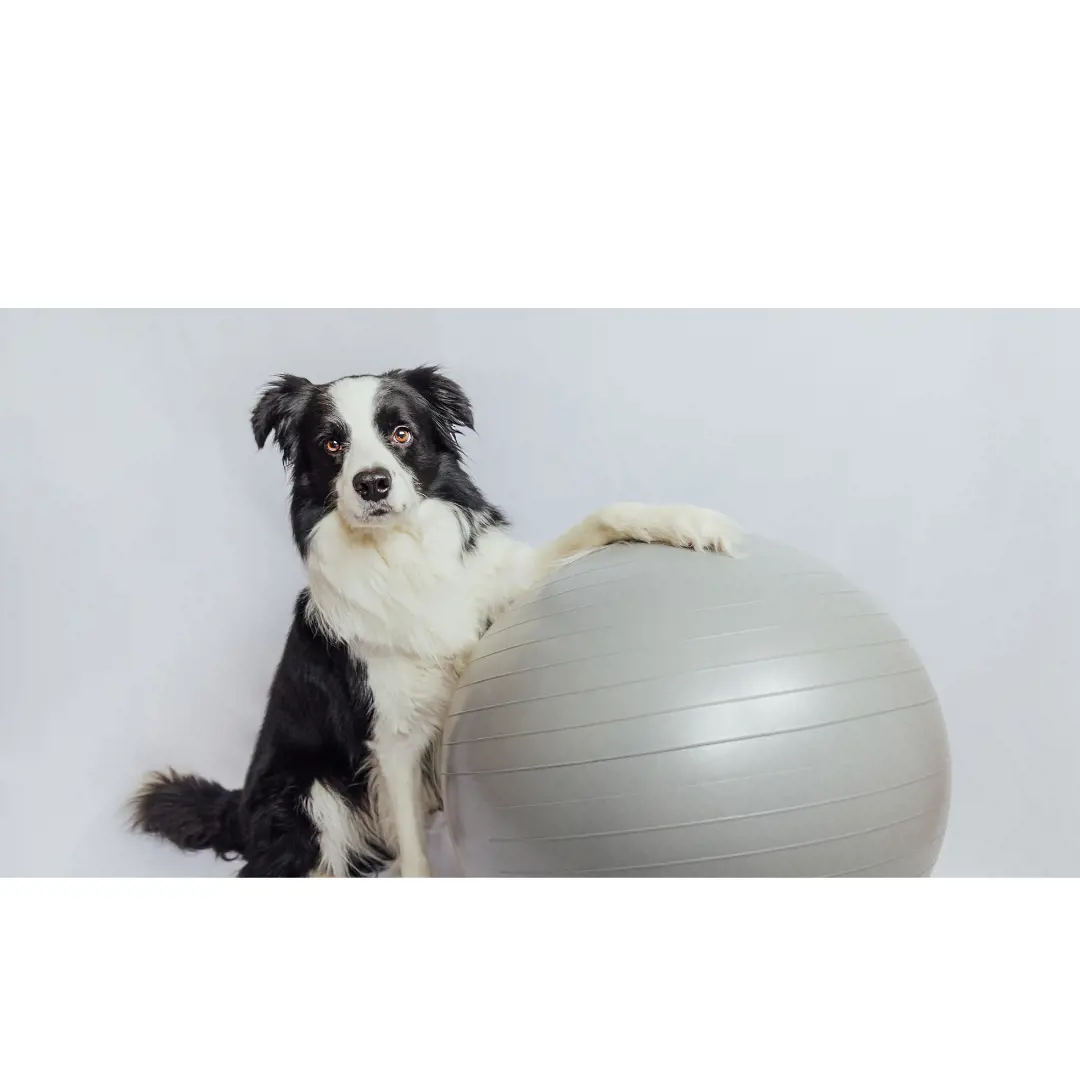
[407, 566]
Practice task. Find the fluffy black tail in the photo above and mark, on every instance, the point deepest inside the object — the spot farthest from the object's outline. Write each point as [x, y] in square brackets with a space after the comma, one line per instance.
[193, 813]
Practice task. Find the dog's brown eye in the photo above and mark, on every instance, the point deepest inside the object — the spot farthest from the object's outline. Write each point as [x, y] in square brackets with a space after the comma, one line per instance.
[402, 436]
[333, 446]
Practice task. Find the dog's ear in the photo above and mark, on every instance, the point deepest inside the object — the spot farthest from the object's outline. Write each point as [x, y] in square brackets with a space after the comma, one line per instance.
[279, 410]
[450, 408]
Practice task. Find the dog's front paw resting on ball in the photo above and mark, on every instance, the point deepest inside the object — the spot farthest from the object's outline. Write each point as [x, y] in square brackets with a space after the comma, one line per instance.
[676, 526]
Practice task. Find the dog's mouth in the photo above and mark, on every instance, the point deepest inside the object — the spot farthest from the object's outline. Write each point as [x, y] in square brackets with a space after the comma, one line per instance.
[369, 515]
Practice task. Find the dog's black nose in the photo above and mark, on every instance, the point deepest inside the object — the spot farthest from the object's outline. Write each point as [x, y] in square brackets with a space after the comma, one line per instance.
[372, 484]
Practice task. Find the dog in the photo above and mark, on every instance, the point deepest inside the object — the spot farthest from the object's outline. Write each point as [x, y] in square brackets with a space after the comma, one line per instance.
[407, 565]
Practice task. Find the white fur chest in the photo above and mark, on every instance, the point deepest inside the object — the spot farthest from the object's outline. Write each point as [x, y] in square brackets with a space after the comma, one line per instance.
[410, 695]
[411, 604]
[405, 591]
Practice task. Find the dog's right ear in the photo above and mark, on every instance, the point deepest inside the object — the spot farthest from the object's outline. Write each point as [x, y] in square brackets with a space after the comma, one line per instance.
[279, 411]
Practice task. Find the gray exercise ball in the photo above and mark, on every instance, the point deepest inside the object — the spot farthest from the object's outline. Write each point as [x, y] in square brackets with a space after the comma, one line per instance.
[656, 712]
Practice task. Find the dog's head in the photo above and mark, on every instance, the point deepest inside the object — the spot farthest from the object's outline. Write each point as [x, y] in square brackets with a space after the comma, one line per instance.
[370, 448]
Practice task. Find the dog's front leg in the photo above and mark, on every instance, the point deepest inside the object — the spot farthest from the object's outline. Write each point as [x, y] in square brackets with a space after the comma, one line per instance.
[678, 526]
[399, 756]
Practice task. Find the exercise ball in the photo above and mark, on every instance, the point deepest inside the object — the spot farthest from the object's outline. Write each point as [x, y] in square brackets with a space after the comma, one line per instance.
[657, 712]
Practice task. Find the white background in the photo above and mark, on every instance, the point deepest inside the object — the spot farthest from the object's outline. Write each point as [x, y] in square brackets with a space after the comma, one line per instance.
[149, 574]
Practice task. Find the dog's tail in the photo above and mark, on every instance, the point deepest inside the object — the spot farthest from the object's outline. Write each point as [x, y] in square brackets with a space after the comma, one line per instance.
[195, 814]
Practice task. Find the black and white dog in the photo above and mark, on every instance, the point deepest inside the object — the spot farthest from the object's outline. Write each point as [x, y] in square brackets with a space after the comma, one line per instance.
[407, 565]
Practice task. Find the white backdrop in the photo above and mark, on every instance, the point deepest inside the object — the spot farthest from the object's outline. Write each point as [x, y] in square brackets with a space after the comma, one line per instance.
[148, 573]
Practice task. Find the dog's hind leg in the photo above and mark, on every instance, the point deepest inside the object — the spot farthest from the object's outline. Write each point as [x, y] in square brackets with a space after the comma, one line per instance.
[283, 841]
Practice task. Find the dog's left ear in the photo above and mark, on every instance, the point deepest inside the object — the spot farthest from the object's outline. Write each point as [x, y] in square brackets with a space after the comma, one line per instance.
[450, 408]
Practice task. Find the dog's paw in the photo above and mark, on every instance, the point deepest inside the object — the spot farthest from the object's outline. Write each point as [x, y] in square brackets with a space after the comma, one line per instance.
[677, 526]
[697, 528]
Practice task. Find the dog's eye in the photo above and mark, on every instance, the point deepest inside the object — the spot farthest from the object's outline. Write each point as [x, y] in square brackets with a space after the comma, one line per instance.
[333, 446]
[402, 436]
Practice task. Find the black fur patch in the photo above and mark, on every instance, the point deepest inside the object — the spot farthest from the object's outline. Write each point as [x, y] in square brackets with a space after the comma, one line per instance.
[317, 725]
